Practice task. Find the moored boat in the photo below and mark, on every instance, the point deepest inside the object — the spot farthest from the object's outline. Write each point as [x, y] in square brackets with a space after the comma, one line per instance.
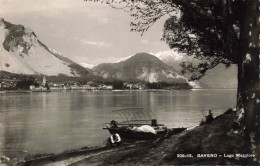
[138, 123]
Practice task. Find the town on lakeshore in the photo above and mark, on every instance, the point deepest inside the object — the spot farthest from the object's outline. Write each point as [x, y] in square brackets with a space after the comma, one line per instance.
[41, 84]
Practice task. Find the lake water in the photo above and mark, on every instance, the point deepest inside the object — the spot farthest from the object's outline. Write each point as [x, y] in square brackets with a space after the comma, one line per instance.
[36, 123]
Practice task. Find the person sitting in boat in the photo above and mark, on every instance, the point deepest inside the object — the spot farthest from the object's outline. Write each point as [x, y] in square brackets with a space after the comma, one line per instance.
[113, 124]
[114, 139]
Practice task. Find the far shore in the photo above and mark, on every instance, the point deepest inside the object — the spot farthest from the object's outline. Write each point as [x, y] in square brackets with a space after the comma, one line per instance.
[114, 90]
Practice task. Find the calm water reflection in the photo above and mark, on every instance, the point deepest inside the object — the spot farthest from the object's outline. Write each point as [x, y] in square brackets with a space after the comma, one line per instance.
[63, 120]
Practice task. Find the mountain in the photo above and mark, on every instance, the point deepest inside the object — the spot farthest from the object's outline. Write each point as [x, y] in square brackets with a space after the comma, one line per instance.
[217, 77]
[141, 66]
[22, 52]
[221, 77]
[87, 65]
[173, 58]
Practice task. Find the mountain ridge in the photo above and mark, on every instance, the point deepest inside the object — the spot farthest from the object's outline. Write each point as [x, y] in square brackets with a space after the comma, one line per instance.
[22, 52]
[141, 66]
[217, 77]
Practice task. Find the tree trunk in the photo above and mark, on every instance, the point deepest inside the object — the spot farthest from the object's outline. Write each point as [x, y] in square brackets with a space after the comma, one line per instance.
[240, 95]
[248, 74]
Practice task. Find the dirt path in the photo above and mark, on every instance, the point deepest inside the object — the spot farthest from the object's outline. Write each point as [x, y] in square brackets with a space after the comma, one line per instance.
[74, 157]
[114, 156]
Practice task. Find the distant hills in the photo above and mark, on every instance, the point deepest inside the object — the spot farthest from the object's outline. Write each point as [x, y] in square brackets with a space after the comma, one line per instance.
[22, 52]
[173, 58]
[218, 77]
[221, 77]
[141, 66]
[87, 65]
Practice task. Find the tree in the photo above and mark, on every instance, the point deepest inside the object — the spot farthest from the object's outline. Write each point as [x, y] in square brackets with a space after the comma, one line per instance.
[214, 31]
[118, 84]
[24, 84]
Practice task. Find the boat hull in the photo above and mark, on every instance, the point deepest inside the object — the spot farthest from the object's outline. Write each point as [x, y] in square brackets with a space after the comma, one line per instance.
[131, 134]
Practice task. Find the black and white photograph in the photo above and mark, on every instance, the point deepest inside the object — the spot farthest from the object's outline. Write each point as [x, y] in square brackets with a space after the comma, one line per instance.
[129, 82]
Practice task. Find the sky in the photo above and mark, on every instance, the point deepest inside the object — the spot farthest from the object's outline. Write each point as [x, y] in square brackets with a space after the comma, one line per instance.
[85, 32]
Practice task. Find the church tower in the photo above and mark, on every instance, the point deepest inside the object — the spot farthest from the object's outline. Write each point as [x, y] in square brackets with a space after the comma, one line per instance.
[44, 81]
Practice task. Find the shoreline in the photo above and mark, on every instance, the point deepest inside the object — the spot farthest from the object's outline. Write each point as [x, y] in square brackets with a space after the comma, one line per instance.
[206, 144]
[15, 91]
[123, 90]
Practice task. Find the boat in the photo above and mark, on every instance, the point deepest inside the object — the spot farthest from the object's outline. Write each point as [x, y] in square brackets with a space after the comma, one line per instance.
[138, 124]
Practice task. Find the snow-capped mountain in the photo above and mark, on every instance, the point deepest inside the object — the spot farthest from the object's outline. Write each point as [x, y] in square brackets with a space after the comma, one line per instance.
[23, 53]
[170, 57]
[217, 77]
[141, 66]
[87, 65]
[124, 59]
[174, 58]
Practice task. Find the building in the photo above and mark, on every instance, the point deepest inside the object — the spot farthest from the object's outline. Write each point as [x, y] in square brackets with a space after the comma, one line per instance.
[44, 81]
[39, 89]
[107, 87]
[32, 87]
[8, 84]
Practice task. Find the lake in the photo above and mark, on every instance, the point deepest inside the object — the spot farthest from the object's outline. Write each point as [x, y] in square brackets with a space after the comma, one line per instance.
[37, 123]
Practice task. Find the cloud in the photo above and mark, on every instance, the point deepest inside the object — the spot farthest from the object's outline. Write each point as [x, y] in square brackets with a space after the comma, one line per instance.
[103, 20]
[147, 42]
[46, 7]
[156, 43]
[94, 43]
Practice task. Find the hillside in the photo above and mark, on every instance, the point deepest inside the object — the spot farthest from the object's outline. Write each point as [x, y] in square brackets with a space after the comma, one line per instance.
[22, 52]
[221, 77]
[218, 77]
[173, 58]
[141, 66]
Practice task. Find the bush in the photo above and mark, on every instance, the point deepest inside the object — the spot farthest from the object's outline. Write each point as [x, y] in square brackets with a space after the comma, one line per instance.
[202, 122]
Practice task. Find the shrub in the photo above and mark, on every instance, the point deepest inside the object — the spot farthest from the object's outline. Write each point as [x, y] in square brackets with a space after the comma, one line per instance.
[202, 122]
